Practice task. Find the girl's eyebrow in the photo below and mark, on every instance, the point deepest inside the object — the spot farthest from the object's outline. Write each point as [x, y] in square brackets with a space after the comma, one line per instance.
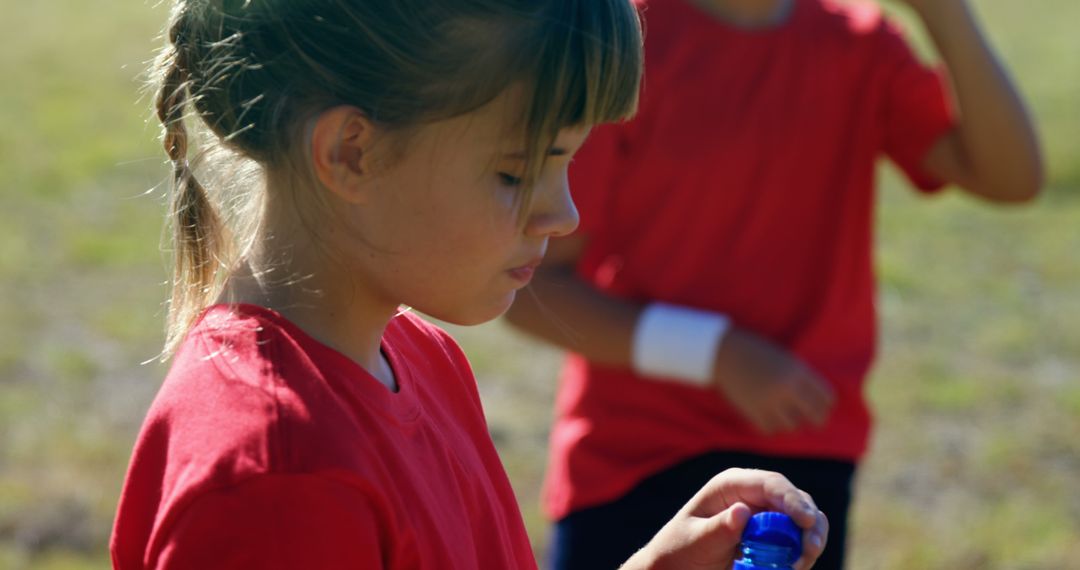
[520, 155]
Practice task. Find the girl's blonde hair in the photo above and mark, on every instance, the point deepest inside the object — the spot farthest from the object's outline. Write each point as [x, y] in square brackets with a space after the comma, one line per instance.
[255, 71]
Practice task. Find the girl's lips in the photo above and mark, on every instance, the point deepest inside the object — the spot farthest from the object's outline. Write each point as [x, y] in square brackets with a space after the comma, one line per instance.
[525, 272]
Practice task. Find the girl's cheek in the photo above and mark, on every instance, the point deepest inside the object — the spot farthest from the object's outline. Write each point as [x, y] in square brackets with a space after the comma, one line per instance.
[508, 199]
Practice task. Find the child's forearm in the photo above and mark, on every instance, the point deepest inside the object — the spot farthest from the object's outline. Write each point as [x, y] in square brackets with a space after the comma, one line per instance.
[995, 150]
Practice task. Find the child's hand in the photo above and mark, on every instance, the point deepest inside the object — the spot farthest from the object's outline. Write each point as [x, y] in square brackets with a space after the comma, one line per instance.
[705, 533]
[772, 388]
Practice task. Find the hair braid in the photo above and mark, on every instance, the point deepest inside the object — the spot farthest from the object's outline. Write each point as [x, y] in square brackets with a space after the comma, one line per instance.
[197, 232]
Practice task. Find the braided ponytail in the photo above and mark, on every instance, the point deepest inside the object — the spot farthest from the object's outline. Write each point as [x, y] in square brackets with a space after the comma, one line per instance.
[198, 235]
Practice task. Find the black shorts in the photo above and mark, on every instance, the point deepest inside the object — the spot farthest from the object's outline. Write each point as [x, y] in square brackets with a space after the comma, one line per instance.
[604, 536]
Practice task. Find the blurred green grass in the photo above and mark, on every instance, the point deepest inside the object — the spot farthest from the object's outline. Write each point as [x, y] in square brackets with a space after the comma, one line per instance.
[976, 463]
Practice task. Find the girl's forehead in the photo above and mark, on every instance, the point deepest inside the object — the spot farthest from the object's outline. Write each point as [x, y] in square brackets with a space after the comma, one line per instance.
[477, 131]
[499, 127]
[501, 121]
[486, 131]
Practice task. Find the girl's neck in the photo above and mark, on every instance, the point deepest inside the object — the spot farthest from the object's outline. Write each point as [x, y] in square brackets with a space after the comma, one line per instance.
[747, 14]
[301, 283]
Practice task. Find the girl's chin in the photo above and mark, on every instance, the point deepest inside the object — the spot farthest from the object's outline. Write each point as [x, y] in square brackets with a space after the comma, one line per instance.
[470, 316]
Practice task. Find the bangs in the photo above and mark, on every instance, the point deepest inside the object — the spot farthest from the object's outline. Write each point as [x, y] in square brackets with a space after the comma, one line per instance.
[587, 55]
[591, 66]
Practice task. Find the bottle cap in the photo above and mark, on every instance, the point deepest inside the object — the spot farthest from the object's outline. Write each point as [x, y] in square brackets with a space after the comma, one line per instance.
[777, 529]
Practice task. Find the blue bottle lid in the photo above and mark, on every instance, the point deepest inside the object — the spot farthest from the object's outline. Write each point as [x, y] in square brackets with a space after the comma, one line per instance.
[775, 529]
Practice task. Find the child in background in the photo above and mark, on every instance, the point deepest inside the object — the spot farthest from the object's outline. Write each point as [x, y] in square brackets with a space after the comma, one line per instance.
[414, 153]
[718, 298]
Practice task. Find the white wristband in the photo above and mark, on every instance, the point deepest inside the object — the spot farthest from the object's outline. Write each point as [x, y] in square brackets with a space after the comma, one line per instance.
[678, 342]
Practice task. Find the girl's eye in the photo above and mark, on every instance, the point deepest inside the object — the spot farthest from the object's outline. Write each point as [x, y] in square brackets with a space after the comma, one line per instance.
[509, 180]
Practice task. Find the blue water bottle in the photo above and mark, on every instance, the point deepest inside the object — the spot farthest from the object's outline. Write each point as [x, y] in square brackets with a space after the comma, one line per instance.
[770, 540]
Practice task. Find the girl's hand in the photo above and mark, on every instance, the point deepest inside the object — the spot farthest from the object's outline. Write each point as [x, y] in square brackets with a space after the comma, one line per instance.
[706, 532]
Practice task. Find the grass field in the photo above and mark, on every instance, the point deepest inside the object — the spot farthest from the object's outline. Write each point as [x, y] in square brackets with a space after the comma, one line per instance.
[976, 462]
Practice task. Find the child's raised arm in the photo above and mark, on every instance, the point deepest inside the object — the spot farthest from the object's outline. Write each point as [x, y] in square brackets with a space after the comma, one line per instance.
[993, 152]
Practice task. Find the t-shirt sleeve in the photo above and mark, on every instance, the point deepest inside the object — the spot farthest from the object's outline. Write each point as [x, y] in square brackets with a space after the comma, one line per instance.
[916, 108]
[277, 521]
[594, 174]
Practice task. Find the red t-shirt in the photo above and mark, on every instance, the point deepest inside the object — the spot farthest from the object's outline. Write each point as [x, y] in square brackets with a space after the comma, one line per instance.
[744, 185]
[267, 449]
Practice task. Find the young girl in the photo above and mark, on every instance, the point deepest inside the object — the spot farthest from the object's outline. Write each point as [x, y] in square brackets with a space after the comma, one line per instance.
[413, 153]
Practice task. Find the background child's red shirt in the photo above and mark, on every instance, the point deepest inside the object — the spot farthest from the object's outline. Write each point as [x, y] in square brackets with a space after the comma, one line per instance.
[744, 185]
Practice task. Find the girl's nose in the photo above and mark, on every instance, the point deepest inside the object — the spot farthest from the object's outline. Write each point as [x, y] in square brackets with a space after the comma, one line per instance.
[553, 213]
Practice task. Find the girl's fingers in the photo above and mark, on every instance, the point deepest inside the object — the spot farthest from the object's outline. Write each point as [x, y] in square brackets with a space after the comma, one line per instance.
[814, 541]
[795, 503]
[759, 490]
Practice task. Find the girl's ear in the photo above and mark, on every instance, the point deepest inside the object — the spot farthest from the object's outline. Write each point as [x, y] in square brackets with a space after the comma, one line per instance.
[341, 144]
